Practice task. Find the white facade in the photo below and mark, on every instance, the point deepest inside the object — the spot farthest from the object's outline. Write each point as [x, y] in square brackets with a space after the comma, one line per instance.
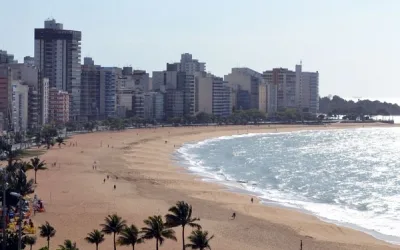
[19, 114]
[45, 101]
[204, 94]
[190, 65]
[292, 89]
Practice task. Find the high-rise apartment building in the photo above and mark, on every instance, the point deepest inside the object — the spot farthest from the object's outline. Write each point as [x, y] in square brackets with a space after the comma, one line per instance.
[19, 114]
[58, 106]
[281, 89]
[250, 88]
[6, 95]
[292, 89]
[90, 90]
[108, 90]
[154, 106]
[58, 58]
[307, 90]
[212, 96]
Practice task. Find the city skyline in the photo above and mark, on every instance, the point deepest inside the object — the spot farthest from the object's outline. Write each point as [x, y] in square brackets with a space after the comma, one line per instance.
[348, 43]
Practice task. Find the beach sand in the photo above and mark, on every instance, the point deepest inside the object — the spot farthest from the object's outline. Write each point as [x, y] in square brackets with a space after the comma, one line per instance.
[149, 182]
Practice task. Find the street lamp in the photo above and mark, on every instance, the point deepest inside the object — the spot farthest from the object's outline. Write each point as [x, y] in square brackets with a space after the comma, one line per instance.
[21, 203]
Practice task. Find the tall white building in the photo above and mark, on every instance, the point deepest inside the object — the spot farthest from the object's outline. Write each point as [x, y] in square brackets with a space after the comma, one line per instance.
[58, 58]
[212, 96]
[44, 115]
[292, 89]
[19, 114]
[307, 90]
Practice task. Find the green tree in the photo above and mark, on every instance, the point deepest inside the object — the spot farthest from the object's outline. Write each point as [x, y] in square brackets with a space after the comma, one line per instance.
[181, 215]
[29, 240]
[48, 133]
[156, 229]
[17, 179]
[199, 240]
[60, 141]
[96, 237]
[47, 231]
[113, 225]
[68, 245]
[130, 237]
[36, 164]
[12, 241]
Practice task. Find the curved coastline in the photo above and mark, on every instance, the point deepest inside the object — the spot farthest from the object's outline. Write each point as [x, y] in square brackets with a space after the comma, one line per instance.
[141, 163]
[249, 187]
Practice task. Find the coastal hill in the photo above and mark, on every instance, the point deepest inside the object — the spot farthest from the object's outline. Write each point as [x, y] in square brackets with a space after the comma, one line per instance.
[337, 105]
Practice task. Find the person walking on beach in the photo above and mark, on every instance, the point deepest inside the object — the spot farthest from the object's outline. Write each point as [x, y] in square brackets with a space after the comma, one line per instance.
[115, 186]
[233, 215]
[104, 181]
[252, 200]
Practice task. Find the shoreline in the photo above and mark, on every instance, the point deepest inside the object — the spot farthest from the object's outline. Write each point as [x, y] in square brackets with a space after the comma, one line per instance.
[149, 181]
[236, 186]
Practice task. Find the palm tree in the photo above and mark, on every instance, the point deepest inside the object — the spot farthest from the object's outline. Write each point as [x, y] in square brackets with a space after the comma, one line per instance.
[36, 164]
[199, 240]
[181, 215]
[157, 229]
[60, 141]
[130, 236]
[30, 240]
[17, 179]
[10, 153]
[95, 237]
[47, 231]
[68, 245]
[113, 225]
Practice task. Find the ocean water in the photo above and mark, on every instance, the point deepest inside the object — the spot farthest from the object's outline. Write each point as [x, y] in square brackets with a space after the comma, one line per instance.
[347, 176]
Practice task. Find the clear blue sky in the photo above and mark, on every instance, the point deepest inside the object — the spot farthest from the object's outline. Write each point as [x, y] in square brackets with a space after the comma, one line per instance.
[354, 44]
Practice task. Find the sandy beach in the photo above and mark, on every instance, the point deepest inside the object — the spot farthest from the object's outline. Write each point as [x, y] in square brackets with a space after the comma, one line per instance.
[140, 164]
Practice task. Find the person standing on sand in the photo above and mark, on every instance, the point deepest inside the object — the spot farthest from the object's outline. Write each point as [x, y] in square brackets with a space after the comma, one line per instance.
[233, 215]
[115, 186]
[252, 200]
[104, 181]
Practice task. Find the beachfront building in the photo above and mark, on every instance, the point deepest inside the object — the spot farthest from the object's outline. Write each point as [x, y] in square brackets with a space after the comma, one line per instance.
[19, 114]
[292, 89]
[58, 58]
[90, 90]
[178, 82]
[131, 86]
[108, 90]
[154, 106]
[281, 89]
[212, 96]
[174, 103]
[307, 90]
[58, 106]
[6, 95]
[249, 87]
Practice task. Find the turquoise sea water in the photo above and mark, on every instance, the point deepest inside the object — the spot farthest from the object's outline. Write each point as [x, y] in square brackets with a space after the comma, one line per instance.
[347, 176]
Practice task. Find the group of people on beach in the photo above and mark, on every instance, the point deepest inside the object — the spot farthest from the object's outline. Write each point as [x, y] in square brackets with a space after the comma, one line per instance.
[108, 177]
